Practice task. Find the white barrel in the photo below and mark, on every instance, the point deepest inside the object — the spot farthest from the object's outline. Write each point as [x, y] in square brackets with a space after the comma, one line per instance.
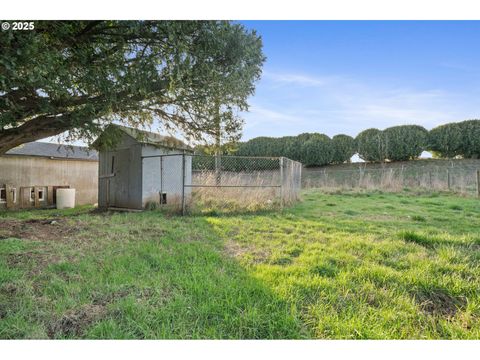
[65, 198]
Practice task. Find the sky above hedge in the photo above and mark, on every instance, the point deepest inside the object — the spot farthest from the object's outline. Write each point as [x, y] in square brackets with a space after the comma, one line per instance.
[343, 77]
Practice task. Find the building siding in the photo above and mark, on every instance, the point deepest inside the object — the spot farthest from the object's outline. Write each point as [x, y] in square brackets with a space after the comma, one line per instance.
[125, 188]
[28, 171]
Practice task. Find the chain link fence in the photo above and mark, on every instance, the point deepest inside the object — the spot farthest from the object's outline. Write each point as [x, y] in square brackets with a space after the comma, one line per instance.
[463, 180]
[209, 184]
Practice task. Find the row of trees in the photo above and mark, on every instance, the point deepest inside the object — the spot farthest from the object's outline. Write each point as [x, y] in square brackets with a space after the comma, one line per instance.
[397, 143]
[312, 149]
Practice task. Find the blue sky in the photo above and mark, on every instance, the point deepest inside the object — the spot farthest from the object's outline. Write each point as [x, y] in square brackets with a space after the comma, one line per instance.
[345, 76]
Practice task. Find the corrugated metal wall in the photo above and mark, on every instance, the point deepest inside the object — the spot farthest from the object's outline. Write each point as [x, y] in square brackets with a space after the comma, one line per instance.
[124, 189]
[22, 171]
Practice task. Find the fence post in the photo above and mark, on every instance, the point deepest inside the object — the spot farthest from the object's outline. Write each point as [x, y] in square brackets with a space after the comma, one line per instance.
[183, 183]
[478, 183]
[281, 182]
[402, 176]
[161, 180]
[299, 181]
[218, 168]
[448, 179]
[430, 179]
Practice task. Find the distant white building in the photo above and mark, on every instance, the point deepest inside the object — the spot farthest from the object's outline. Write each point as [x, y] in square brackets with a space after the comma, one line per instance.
[133, 172]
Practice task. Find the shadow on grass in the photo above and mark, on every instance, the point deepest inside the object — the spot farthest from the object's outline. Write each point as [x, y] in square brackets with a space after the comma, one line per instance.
[430, 241]
[157, 287]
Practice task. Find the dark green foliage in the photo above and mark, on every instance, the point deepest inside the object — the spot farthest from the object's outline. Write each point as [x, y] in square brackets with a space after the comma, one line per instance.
[310, 149]
[234, 163]
[446, 140]
[261, 146]
[420, 239]
[405, 142]
[316, 150]
[397, 143]
[78, 76]
[456, 139]
[343, 148]
[268, 146]
[470, 146]
[371, 145]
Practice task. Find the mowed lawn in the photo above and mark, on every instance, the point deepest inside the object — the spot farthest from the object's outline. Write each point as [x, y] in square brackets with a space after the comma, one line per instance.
[349, 266]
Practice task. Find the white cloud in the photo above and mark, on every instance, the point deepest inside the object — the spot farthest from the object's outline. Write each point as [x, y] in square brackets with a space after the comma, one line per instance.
[288, 79]
[339, 104]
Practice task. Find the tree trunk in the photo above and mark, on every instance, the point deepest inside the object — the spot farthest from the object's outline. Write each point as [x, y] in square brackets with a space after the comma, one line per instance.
[35, 129]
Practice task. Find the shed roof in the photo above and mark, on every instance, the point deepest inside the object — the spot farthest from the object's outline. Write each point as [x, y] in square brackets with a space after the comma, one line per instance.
[51, 150]
[146, 137]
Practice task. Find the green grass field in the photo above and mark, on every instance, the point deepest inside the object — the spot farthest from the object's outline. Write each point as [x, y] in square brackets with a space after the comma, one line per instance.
[350, 266]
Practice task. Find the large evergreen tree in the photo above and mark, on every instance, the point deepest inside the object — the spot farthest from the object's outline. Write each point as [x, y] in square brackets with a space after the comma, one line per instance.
[78, 76]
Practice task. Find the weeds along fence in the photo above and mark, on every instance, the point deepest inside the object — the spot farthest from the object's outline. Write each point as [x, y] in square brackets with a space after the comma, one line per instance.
[206, 183]
[463, 180]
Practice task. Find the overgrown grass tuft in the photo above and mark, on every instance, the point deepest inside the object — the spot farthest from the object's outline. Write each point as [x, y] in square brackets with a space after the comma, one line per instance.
[419, 218]
[421, 239]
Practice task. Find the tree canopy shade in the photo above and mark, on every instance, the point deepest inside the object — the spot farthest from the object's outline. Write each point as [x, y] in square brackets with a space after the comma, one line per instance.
[78, 76]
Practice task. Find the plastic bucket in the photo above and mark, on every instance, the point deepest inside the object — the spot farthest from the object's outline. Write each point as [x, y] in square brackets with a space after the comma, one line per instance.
[65, 198]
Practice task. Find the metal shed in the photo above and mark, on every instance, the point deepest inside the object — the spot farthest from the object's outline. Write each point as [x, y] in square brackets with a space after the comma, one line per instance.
[130, 173]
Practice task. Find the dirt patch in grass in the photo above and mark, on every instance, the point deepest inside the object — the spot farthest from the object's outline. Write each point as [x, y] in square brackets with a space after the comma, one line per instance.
[439, 302]
[35, 229]
[75, 321]
[235, 250]
[42, 260]
[46, 234]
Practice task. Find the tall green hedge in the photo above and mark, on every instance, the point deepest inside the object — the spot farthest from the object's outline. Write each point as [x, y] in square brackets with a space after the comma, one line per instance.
[446, 140]
[311, 149]
[471, 139]
[343, 148]
[405, 142]
[397, 143]
[371, 145]
[456, 139]
[316, 150]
